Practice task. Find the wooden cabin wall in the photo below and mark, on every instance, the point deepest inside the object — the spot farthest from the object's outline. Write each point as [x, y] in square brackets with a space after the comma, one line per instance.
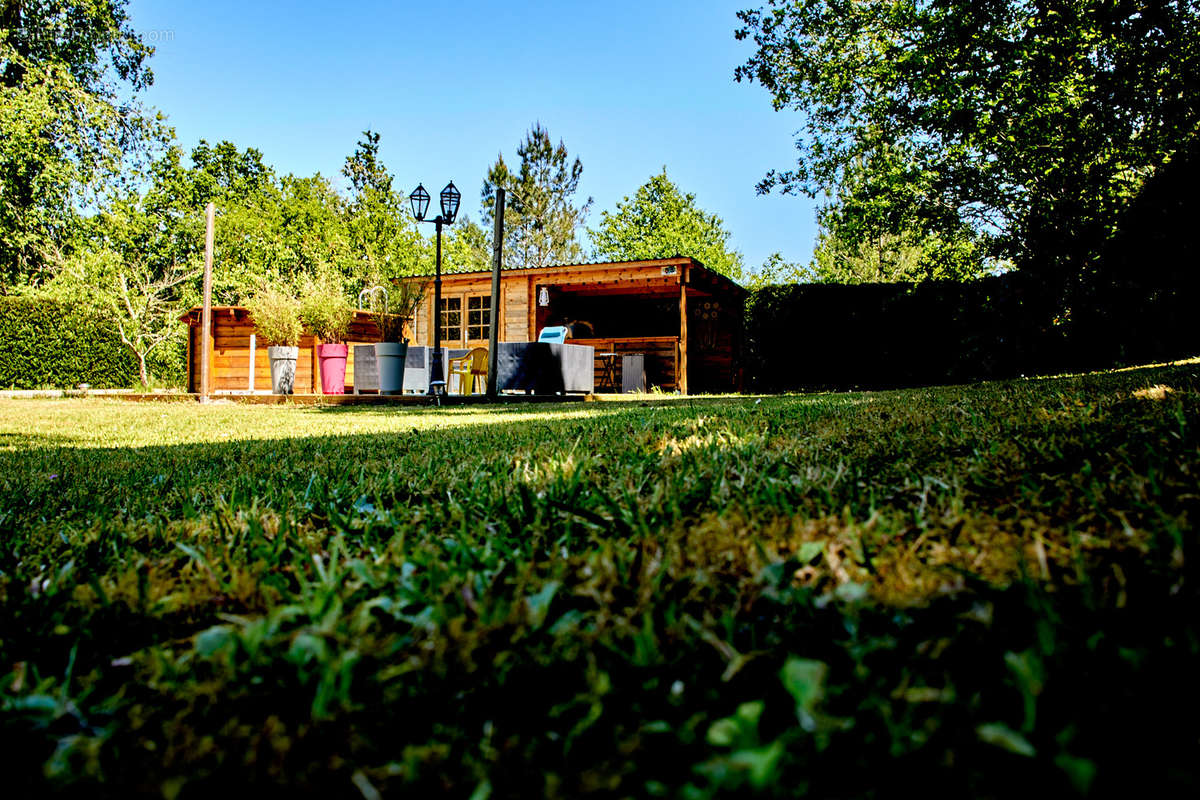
[714, 326]
[514, 309]
[231, 360]
[231, 357]
[515, 325]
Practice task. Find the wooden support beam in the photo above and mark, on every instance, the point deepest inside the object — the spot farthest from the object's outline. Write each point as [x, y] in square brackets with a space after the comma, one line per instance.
[206, 342]
[314, 375]
[530, 294]
[683, 338]
[609, 290]
[191, 368]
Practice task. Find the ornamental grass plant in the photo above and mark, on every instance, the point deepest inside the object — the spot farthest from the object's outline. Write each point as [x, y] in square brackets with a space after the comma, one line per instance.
[275, 313]
[325, 309]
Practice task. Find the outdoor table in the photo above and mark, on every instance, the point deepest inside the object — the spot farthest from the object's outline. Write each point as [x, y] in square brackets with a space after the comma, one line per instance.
[608, 371]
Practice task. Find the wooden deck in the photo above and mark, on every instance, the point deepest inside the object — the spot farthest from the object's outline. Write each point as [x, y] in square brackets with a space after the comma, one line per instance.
[359, 399]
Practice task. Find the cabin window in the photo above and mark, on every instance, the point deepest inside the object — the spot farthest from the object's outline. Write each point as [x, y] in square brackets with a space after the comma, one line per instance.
[451, 319]
[479, 317]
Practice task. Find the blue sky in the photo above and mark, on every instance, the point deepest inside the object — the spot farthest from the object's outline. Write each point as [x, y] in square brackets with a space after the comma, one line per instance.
[628, 86]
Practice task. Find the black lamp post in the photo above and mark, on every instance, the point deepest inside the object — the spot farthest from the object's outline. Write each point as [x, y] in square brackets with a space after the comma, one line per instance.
[420, 204]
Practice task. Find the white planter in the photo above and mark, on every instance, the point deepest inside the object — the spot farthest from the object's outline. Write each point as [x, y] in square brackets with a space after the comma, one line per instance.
[283, 368]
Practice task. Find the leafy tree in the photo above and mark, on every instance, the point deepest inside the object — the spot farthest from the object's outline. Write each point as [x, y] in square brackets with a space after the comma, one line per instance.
[776, 271]
[871, 233]
[660, 221]
[895, 258]
[86, 38]
[69, 132]
[384, 240]
[144, 304]
[119, 273]
[312, 232]
[268, 227]
[888, 258]
[1030, 121]
[252, 239]
[224, 174]
[468, 247]
[540, 219]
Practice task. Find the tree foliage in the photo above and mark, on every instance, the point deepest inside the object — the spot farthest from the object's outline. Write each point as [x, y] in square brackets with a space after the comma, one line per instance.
[776, 271]
[383, 238]
[69, 129]
[871, 231]
[660, 221]
[1029, 121]
[467, 246]
[904, 257]
[541, 218]
[141, 301]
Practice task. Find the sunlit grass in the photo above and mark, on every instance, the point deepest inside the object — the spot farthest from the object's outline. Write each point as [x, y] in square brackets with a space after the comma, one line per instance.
[648, 596]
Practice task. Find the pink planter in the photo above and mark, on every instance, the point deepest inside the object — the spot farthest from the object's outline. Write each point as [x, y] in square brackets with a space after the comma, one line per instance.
[333, 367]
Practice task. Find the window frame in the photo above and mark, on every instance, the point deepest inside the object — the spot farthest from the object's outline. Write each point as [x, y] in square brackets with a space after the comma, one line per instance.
[444, 312]
[485, 312]
[464, 298]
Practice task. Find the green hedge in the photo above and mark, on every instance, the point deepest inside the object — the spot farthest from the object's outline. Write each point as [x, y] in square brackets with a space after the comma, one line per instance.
[47, 344]
[1136, 304]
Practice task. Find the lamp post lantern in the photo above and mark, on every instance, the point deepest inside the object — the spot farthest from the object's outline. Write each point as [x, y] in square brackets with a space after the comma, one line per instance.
[419, 199]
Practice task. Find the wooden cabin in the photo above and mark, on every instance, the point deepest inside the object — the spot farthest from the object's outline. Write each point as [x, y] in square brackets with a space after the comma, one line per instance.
[235, 347]
[684, 318]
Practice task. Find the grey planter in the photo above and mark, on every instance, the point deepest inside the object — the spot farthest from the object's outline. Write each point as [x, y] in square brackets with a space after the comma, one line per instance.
[390, 358]
[283, 368]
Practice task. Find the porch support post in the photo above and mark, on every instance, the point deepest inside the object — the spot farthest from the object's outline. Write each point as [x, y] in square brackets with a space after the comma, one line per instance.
[683, 332]
[494, 328]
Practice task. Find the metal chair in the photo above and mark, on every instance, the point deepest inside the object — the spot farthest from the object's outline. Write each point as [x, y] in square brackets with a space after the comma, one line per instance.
[468, 368]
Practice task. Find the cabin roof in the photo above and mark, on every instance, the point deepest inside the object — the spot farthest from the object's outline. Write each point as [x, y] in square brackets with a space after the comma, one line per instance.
[714, 279]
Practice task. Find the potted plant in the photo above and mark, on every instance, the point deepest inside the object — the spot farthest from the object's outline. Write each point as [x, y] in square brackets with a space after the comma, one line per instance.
[276, 317]
[395, 311]
[327, 313]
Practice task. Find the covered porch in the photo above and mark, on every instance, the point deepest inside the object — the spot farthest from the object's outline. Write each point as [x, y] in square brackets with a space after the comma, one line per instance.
[684, 320]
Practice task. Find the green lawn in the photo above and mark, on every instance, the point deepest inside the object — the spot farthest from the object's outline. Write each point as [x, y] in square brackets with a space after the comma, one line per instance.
[966, 591]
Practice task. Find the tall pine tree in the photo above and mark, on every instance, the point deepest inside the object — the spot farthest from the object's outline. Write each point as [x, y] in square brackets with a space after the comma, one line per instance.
[541, 219]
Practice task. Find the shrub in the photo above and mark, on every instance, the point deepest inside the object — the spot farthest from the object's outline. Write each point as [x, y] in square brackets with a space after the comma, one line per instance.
[168, 363]
[45, 343]
[325, 310]
[276, 316]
